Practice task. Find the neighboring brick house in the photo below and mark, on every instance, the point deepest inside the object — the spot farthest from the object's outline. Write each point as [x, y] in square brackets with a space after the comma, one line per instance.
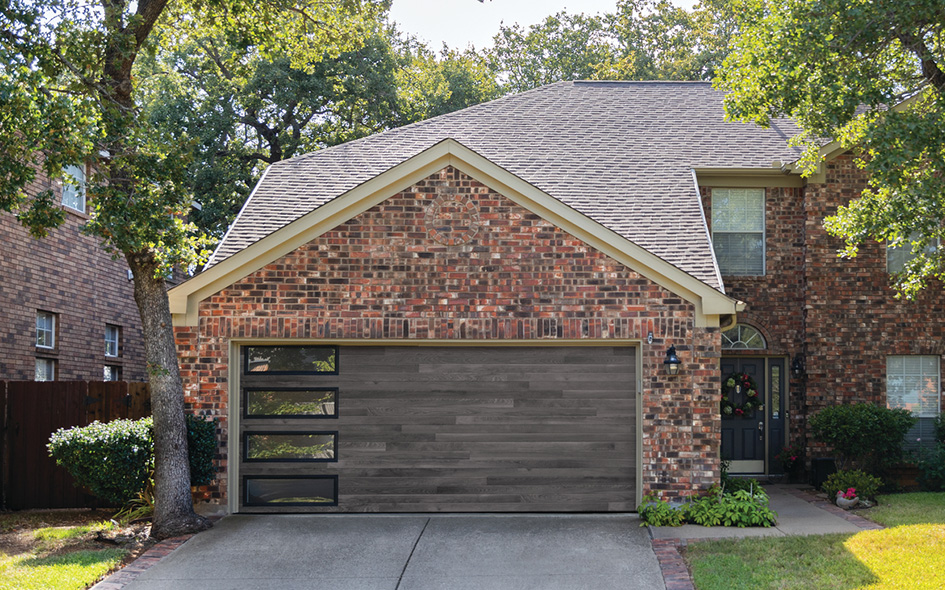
[68, 307]
[477, 312]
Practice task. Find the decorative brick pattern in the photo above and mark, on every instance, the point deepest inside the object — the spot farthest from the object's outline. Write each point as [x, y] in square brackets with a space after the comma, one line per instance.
[69, 274]
[382, 276]
[675, 572]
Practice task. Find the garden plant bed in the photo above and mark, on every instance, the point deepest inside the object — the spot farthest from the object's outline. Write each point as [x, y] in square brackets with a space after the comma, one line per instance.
[910, 553]
[65, 549]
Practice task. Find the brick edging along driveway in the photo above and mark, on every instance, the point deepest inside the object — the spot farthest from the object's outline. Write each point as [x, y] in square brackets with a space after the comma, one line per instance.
[676, 574]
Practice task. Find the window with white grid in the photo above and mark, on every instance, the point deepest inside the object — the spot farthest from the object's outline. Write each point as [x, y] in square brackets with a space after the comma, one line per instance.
[73, 188]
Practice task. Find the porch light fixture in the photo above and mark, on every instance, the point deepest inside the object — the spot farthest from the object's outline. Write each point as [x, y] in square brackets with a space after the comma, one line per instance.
[672, 361]
[797, 366]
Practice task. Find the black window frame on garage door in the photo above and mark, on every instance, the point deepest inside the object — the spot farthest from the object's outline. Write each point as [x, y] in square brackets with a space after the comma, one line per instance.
[461, 427]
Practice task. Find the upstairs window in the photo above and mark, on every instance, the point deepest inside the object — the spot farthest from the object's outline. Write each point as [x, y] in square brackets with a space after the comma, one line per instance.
[898, 256]
[112, 338]
[73, 188]
[45, 329]
[738, 230]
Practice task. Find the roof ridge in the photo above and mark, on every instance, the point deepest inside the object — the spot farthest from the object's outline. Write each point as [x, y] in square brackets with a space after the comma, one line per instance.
[433, 120]
[639, 82]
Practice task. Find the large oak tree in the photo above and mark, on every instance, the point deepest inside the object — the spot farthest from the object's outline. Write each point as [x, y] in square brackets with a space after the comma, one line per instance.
[68, 94]
[869, 74]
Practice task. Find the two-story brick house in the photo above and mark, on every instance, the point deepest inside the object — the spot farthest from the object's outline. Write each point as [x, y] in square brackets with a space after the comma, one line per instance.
[68, 307]
[535, 304]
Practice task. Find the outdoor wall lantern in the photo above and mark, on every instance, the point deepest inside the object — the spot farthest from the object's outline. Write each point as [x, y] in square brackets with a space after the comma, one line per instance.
[672, 361]
[797, 366]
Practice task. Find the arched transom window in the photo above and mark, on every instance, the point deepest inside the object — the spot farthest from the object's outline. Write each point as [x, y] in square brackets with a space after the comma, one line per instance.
[743, 337]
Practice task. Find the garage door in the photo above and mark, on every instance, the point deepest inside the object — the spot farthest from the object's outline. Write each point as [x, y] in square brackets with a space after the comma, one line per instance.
[418, 429]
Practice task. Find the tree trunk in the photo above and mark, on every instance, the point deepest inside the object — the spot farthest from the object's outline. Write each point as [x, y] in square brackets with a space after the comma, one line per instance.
[173, 505]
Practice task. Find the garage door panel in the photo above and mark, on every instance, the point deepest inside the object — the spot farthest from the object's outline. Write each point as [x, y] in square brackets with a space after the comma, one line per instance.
[471, 429]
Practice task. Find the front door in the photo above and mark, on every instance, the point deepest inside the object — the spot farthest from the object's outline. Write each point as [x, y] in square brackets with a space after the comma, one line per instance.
[743, 434]
[752, 425]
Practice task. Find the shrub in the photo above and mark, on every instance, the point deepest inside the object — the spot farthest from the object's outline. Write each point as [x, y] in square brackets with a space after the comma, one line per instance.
[931, 464]
[202, 444]
[940, 429]
[112, 460]
[742, 508]
[656, 512]
[868, 436]
[865, 484]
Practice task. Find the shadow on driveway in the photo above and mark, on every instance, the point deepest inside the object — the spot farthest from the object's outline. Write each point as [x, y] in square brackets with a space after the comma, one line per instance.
[412, 552]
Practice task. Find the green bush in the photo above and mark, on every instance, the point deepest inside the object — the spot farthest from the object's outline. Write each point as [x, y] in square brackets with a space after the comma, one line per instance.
[867, 436]
[940, 429]
[742, 508]
[865, 484]
[931, 464]
[114, 459]
[656, 512]
[202, 444]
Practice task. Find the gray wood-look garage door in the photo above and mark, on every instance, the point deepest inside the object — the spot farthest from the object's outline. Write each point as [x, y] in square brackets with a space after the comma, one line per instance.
[465, 429]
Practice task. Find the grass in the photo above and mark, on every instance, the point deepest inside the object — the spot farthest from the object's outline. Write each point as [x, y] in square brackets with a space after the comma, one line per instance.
[55, 550]
[908, 555]
[900, 509]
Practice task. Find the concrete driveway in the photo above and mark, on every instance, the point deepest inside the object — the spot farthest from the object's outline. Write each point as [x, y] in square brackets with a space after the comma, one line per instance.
[387, 552]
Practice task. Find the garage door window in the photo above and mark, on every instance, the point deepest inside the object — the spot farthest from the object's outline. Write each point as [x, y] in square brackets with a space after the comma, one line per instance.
[314, 490]
[291, 446]
[292, 360]
[291, 403]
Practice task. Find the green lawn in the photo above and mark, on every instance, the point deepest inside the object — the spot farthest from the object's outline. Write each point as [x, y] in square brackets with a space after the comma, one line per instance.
[909, 555]
[54, 550]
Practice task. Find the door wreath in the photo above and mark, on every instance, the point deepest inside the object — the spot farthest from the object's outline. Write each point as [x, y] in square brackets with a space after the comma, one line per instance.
[738, 384]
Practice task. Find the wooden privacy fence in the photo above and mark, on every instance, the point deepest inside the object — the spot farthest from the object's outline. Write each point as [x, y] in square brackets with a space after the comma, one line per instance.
[32, 411]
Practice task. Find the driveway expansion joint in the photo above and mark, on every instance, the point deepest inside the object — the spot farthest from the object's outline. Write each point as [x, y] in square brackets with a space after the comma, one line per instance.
[414, 548]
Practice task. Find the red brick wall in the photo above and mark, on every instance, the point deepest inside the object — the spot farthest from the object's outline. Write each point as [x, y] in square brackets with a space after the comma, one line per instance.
[67, 273]
[775, 301]
[385, 274]
[841, 315]
[853, 318]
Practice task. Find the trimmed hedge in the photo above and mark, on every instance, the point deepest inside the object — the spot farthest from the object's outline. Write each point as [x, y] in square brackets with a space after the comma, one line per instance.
[114, 460]
[865, 435]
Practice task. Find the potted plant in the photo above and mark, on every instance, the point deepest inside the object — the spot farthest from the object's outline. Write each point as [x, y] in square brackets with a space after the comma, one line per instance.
[847, 499]
[791, 458]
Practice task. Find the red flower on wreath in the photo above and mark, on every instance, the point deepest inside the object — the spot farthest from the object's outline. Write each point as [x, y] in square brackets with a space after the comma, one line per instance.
[733, 387]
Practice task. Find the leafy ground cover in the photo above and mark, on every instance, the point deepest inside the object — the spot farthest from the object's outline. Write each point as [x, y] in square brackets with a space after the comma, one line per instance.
[908, 555]
[63, 549]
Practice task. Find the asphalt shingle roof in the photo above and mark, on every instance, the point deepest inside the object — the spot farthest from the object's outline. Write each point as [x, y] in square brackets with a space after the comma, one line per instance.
[621, 153]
